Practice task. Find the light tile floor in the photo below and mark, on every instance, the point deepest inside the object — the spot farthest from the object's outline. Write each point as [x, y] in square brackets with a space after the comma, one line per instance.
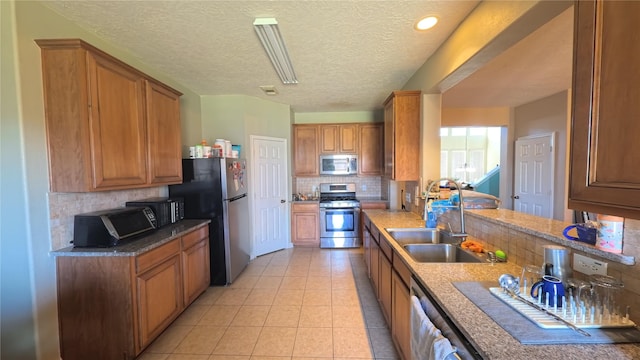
[300, 303]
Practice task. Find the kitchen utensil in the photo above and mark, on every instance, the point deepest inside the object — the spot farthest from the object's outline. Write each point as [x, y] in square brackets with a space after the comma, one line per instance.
[558, 257]
[507, 282]
[550, 289]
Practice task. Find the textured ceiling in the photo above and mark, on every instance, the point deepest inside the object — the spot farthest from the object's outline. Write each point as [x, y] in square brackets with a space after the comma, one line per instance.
[348, 55]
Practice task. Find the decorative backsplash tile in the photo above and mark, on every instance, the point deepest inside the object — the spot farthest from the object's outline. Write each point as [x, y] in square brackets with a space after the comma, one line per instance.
[370, 186]
[63, 207]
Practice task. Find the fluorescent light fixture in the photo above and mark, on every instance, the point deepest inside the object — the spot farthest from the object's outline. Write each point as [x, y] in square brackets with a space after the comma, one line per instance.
[267, 30]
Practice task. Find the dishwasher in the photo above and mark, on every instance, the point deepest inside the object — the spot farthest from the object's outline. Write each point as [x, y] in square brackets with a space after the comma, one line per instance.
[464, 349]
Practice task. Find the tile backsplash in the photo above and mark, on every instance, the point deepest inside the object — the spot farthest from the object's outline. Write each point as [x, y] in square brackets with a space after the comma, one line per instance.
[63, 207]
[370, 186]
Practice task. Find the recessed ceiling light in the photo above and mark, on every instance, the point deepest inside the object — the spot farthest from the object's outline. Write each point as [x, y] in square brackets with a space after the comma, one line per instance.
[269, 89]
[427, 23]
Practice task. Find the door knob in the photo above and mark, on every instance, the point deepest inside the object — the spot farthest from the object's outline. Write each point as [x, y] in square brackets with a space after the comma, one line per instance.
[283, 201]
[516, 197]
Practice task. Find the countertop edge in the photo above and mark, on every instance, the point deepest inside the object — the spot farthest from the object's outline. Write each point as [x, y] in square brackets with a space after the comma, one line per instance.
[557, 225]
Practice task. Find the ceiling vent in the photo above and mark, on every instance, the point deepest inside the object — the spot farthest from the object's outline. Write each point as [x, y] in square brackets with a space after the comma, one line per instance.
[269, 34]
[269, 90]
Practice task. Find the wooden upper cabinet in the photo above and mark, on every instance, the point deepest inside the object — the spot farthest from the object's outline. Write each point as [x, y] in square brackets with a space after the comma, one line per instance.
[117, 125]
[402, 136]
[107, 126]
[371, 149]
[339, 139]
[165, 153]
[305, 150]
[605, 152]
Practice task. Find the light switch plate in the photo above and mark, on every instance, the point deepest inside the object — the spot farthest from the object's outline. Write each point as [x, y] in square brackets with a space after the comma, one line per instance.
[588, 265]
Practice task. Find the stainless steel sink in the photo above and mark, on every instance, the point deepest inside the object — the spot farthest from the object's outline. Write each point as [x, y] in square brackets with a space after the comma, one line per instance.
[440, 253]
[414, 235]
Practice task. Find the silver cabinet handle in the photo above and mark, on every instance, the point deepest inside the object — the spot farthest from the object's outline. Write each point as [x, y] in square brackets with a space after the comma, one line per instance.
[283, 201]
[516, 197]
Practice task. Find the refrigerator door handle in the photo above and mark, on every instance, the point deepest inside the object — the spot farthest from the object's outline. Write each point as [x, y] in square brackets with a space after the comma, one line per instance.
[237, 197]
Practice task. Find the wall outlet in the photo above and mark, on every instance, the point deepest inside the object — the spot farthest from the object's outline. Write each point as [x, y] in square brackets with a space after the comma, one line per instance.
[416, 199]
[364, 187]
[589, 266]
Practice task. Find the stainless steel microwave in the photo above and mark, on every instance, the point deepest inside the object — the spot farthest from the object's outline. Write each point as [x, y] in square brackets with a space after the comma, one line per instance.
[338, 164]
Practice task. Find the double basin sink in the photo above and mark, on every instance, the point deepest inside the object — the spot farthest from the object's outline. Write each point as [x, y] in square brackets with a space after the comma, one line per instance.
[426, 245]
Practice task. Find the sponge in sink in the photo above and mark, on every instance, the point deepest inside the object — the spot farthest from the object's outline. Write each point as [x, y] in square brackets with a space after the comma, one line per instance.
[501, 255]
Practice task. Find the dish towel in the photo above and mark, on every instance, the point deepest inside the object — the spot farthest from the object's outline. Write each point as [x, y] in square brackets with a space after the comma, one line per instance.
[427, 342]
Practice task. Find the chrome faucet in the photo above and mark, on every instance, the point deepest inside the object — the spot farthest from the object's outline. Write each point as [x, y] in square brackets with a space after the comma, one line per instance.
[462, 234]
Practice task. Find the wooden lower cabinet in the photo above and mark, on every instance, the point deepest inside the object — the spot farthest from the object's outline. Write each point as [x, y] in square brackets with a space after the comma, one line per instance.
[305, 224]
[390, 278]
[116, 306]
[159, 298]
[375, 262]
[384, 291]
[401, 316]
[196, 276]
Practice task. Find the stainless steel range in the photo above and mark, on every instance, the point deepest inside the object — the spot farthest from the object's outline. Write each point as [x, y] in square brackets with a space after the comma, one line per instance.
[339, 216]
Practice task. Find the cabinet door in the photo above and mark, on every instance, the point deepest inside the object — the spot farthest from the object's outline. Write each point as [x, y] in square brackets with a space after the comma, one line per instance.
[402, 135]
[371, 149]
[195, 264]
[348, 143]
[329, 139]
[305, 225]
[389, 142]
[401, 316]
[163, 132]
[117, 124]
[366, 245]
[159, 298]
[384, 290]
[604, 173]
[375, 262]
[305, 150]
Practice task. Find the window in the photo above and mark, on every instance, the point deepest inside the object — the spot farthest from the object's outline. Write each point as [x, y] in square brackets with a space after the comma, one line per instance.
[468, 153]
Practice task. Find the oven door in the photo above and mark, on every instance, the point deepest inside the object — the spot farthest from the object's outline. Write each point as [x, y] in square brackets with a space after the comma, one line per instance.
[339, 227]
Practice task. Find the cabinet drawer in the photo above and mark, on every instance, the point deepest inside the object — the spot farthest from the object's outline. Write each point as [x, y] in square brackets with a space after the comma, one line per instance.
[375, 234]
[403, 271]
[157, 255]
[311, 207]
[193, 238]
[386, 248]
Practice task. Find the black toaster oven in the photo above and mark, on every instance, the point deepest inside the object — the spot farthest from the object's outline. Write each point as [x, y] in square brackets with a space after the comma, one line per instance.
[111, 227]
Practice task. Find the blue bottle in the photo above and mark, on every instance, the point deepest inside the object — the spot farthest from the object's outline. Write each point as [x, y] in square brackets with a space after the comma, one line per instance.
[432, 220]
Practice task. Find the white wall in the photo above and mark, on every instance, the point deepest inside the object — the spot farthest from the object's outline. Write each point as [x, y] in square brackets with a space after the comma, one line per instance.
[546, 116]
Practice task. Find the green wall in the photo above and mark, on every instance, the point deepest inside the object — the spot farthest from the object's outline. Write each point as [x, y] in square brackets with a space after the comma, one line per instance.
[17, 326]
[338, 117]
[29, 307]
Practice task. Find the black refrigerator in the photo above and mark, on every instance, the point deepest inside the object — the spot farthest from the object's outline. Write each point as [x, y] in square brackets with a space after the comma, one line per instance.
[216, 189]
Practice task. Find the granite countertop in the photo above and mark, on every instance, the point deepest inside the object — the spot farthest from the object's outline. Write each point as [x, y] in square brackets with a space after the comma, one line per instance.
[489, 338]
[138, 246]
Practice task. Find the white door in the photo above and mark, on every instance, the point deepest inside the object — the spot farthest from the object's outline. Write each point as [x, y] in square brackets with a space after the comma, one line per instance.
[534, 182]
[269, 169]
